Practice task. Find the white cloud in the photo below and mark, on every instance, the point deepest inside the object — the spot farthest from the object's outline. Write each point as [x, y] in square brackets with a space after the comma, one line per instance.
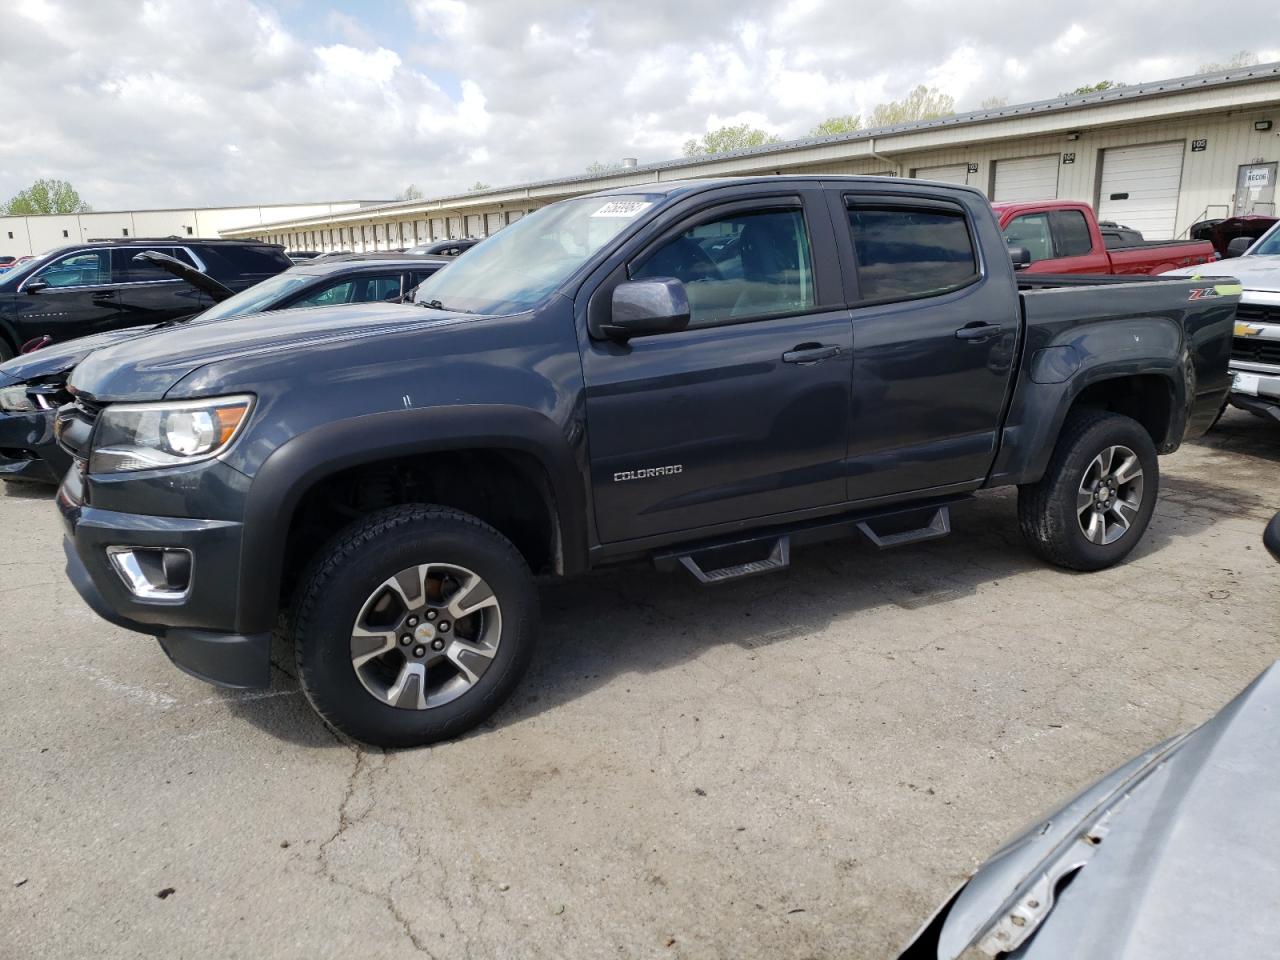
[157, 102]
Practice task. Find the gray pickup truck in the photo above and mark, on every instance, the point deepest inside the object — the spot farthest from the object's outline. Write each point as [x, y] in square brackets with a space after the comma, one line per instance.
[701, 374]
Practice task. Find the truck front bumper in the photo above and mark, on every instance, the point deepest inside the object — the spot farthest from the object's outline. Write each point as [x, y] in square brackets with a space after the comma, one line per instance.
[196, 625]
[1255, 390]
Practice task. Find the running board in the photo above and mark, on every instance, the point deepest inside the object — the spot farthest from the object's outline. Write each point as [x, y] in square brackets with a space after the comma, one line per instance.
[779, 558]
[939, 525]
[727, 560]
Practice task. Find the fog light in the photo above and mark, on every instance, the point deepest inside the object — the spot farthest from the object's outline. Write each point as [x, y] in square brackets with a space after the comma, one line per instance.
[157, 574]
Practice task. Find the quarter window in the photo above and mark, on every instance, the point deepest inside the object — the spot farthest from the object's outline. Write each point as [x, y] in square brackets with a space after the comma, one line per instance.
[905, 253]
[738, 267]
[87, 269]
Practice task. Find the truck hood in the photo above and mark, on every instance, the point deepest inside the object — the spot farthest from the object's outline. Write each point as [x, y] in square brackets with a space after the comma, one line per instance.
[52, 361]
[1254, 273]
[147, 367]
[1152, 861]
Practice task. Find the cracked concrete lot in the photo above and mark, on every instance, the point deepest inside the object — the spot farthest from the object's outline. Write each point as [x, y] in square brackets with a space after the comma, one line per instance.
[796, 766]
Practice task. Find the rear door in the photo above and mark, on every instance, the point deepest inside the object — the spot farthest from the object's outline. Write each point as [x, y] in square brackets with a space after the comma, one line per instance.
[151, 294]
[744, 414]
[934, 334]
[79, 298]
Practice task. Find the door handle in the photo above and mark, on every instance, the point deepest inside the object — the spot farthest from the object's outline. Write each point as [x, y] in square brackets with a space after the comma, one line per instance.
[102, 296]
[811, 353]
[978, 331]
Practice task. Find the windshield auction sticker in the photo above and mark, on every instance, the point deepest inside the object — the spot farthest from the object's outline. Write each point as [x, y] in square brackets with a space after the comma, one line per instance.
[623, 208]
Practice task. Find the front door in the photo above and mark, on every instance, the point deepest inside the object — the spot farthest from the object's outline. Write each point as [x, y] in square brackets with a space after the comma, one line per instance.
[78, 298]
[745, 414]
[934, 342]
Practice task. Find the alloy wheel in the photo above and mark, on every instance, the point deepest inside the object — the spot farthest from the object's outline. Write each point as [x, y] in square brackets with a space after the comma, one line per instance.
[1110, 495]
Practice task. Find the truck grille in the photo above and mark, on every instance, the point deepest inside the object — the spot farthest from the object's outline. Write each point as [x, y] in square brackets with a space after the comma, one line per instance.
[1255, 351]
[1254, 313]
[74, 426]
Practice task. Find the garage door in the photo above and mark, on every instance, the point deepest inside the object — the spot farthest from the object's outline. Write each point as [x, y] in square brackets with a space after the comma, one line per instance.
[492, 224]
[1027, 178]
[1140, 188]
[951, 173]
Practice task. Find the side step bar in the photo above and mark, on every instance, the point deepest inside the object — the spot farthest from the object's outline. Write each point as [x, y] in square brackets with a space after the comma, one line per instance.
[727, 560]
[779, 558]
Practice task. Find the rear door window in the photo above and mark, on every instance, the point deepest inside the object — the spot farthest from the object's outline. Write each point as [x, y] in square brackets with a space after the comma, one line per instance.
[1071, 233]
[140, 271]
[740, 266]
[905, 252]
[87, 268]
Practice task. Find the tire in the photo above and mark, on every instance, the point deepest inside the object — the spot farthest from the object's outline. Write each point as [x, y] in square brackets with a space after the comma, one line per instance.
[361, 583]
[1054, 514]
[6, 351]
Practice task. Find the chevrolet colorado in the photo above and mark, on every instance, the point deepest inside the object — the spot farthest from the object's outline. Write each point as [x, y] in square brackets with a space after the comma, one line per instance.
[704, 374]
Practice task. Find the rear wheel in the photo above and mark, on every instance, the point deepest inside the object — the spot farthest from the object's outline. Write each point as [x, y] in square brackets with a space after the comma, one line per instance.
[1097, 495]
[413, 626]
[6, 351]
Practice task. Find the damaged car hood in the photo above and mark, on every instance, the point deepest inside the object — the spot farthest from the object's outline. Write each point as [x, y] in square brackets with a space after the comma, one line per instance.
[1176, 854]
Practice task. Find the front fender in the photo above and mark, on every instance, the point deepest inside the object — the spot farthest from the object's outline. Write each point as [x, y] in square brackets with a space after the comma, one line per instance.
[297, 465]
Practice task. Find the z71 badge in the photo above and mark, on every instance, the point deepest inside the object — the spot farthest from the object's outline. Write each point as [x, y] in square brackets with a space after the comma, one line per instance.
[648, 472]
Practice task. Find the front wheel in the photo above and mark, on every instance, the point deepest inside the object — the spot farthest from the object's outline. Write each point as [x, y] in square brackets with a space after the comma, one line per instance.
[1097, 495]
[413, 625]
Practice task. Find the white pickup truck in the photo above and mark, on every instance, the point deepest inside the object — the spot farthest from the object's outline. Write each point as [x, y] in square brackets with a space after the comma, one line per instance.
[1255, 348]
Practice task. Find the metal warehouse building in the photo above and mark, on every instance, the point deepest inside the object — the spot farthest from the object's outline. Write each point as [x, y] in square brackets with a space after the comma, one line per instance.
[1155, 156]
[22, 235]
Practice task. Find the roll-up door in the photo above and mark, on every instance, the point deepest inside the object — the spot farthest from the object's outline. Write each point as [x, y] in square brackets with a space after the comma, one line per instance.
[1139, 188]
[1027, 178]
[948, 173]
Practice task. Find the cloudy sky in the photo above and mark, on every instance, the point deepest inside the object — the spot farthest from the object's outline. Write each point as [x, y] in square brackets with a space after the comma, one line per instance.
[152, 103]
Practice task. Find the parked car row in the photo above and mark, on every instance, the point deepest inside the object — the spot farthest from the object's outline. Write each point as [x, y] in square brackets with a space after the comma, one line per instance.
[33, 386]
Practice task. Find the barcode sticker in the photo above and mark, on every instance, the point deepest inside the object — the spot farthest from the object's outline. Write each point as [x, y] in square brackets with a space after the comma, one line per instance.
[623, 208]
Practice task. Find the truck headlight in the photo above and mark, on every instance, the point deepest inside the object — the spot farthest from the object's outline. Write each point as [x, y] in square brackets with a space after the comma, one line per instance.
[144, 436]
[15, 400]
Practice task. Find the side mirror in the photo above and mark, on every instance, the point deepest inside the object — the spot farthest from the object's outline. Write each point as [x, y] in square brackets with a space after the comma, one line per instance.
[1238, 246]
[644, 307]
[35, 286]
[1020, 256]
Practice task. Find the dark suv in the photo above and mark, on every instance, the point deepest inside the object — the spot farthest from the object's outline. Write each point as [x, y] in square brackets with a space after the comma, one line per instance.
[100, 285]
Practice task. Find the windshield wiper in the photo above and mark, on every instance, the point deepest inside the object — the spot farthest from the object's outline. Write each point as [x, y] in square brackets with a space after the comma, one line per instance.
[437, 305]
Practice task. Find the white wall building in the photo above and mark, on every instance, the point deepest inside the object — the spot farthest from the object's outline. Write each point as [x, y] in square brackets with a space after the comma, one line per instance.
[1155, 156]
[25, 235]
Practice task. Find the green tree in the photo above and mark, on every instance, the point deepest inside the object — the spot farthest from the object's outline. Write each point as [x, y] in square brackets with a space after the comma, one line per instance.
[478, 185]
[727, 139]
[993, 103]
[922, 103]
[1242, 58]
[46, 196]
[410, 193]
[831, 126]
[1094, 88]
[599, 167]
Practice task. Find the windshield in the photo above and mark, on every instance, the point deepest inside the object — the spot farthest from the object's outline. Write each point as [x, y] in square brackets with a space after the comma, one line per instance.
[259, 297]
[1269, 245]
[517, 268]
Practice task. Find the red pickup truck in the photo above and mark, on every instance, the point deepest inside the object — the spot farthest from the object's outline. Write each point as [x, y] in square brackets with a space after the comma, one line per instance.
[1064, 237]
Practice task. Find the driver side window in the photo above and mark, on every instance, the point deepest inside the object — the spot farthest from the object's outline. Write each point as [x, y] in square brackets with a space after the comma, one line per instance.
[87, 269]
[741, 266]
